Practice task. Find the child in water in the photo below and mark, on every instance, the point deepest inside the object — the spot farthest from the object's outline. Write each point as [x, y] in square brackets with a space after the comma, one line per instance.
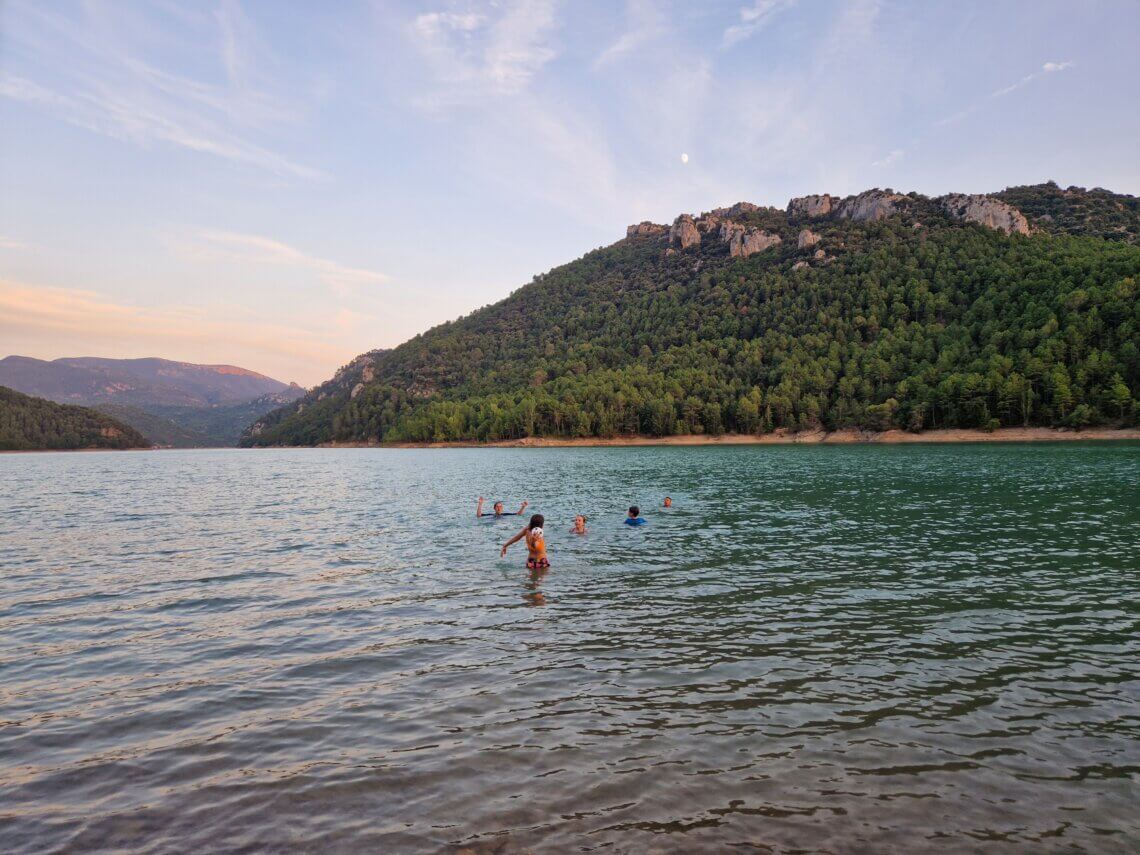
[535, 543]
[579, 524]
[634, 517]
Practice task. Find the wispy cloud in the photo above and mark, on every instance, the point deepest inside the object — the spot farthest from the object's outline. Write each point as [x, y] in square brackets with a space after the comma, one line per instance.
[491, 57]
[891, 157]
[646, 23]
[255, 249]
[7, 242]
[105, 87]
[753, 19]
[478, 55]
[1047, 68]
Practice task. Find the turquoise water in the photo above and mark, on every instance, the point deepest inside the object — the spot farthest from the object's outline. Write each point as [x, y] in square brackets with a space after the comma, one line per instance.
[818, 648]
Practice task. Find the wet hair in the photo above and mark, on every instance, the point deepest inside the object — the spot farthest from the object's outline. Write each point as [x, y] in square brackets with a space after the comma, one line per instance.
[634, 510]
[583, 516]
[496, 504]
[537, 521]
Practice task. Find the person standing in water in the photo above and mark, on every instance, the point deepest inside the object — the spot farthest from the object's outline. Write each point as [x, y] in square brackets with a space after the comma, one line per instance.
[498, 510]
[579, 524]
[535, 543]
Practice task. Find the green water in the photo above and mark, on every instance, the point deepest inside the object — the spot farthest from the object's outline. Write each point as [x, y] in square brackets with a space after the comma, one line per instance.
[817, 649]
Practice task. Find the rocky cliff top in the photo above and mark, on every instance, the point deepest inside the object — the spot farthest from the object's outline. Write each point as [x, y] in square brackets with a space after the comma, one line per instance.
[731, 225]
[986, 211]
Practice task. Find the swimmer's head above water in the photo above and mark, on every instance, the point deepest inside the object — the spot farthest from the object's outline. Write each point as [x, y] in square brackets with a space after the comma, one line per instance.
[497, 507]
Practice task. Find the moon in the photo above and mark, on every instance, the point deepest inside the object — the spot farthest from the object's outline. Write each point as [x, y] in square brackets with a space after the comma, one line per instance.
[684, 158]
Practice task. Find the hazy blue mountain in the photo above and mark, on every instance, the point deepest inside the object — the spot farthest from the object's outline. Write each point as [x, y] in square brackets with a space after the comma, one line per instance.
[172, 403]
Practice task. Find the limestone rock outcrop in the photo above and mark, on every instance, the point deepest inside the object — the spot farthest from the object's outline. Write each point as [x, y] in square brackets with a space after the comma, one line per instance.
[684, 232]
[644, 229]
[729, 225]
[743, 242]
[364, 362]
[986, 211]
[709, 223]
[809, 207]
[870, 206]
[736, 210]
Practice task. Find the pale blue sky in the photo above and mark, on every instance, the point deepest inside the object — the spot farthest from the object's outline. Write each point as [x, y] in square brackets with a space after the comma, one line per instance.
[285, 185]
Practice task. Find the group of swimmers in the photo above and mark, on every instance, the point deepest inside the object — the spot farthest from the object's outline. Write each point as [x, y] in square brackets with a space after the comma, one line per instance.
[532, 532]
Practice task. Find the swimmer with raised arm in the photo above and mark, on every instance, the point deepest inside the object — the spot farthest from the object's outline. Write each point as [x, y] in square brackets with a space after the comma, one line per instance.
[535, 543]
[498, 510]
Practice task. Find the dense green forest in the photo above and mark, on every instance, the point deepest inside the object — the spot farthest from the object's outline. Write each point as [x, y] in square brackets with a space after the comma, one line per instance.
[159, 430]
[915, 321]
[28, 423]
[1076, 211]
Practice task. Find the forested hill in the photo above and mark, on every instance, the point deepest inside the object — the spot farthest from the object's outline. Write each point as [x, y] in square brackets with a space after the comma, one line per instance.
[876, 311]
[28, 423]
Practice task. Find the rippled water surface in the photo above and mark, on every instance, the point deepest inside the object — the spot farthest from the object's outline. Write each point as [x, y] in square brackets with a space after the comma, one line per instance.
[818, 648]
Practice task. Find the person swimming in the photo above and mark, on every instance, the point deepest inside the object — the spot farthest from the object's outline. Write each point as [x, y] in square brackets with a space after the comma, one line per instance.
[579, 524]
[634, 517]
[535, 543]
[498, 510]
[668, 502]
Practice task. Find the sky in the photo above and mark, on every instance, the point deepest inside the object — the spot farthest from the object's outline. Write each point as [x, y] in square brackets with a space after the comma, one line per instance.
[284, 185]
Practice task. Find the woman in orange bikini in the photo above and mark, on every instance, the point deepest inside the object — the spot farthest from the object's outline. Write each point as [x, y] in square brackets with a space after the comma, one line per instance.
[535, 543]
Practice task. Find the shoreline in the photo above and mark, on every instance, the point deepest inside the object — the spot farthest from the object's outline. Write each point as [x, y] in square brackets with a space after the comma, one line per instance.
[86, 450]
[782, 437]
[779, 437]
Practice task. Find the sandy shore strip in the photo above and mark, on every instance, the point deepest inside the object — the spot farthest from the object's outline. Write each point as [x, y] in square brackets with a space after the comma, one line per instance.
[781, 437]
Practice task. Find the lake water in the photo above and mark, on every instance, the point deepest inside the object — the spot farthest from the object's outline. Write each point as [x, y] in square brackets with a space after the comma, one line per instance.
[818, 648]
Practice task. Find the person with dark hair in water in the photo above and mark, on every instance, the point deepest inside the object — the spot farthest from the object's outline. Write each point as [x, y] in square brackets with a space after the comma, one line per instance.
[668, 502]
[535, 543]
[634, 517]
[498, 510]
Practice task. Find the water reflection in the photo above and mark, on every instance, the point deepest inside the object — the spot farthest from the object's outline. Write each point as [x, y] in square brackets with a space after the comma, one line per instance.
[534, 595]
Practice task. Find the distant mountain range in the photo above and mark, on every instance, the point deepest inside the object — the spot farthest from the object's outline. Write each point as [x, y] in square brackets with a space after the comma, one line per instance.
[171, 403]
